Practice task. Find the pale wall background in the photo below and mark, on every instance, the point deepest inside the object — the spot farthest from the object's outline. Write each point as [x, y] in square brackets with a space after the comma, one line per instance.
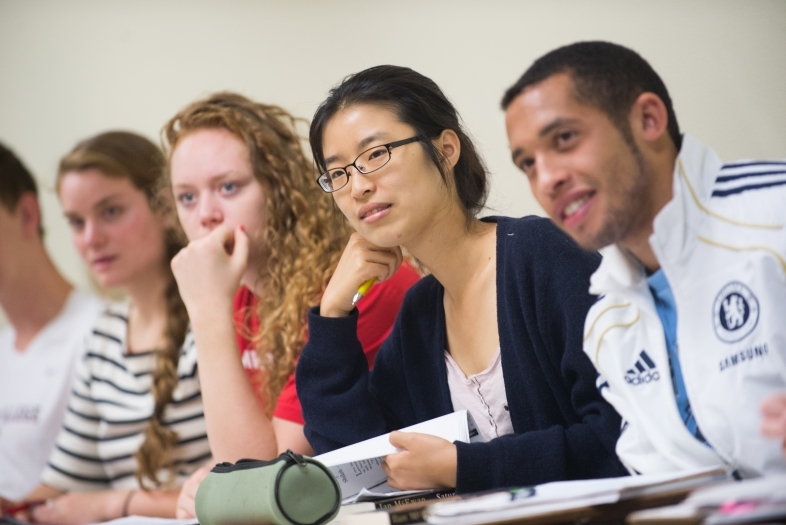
[75, 68]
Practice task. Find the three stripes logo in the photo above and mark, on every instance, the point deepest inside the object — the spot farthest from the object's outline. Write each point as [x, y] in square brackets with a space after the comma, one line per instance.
[739, 177]
[643, 371]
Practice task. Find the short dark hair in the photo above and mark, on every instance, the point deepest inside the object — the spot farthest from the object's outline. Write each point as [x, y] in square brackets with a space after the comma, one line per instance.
[417, 101]
[15, 179]
[605, 75]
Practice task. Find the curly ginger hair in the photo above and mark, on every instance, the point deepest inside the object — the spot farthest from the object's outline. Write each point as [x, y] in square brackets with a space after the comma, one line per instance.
[303, 236]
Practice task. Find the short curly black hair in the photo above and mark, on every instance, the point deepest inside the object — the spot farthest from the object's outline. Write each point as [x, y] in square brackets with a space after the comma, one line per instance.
[608, 76]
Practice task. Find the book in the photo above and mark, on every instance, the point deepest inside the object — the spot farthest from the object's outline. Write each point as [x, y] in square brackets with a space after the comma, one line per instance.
[565, 496]
[358, 467]
[405, 516]
[399, 510]
[400, 501]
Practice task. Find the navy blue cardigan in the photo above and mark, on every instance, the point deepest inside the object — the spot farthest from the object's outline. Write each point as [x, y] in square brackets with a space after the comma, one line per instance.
[563, 427]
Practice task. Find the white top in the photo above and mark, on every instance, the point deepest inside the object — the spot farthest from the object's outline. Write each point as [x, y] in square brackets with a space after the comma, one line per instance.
[721, 243]
[482, 395]
[34, 386]
[110, 407]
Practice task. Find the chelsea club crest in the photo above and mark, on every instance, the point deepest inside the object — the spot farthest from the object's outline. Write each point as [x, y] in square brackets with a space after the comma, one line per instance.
[735, 312]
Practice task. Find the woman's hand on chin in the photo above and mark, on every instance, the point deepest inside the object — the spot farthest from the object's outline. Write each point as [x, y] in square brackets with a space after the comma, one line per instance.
[360, 262]
[425, 462]
[208, 271]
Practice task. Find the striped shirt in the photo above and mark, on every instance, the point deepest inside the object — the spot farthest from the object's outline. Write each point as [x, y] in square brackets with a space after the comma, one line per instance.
[110, 408]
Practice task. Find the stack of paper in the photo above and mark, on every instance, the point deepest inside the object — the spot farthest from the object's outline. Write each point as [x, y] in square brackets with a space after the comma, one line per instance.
[748, 501]
[563, 496]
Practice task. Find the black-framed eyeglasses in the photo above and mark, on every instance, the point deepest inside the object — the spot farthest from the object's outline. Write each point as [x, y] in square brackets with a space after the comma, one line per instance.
[367, 162]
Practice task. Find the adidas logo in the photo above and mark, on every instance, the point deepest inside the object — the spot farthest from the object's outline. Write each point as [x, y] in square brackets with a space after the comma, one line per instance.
[643, 371]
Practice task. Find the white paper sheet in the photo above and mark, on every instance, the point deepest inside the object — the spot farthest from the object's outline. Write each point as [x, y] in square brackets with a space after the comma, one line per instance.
[359, 466]
[549, 497]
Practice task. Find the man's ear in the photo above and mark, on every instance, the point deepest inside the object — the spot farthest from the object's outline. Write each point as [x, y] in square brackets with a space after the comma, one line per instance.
[649, 118]
[450, 145]
[30, 212]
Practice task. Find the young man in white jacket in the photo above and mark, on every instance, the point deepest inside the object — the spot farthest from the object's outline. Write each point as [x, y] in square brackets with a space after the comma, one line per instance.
[689, 332]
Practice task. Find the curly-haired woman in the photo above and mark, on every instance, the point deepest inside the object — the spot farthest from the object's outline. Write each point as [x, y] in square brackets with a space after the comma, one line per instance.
[264, 243]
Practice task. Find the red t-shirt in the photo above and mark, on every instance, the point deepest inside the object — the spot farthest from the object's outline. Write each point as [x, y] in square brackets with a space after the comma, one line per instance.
[377, 312]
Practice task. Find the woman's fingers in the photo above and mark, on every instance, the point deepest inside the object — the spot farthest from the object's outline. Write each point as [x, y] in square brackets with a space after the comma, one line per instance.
[187, 497]
[209, 270]
[241, 248]
[360, 262]
[424, 462]
[390, 258]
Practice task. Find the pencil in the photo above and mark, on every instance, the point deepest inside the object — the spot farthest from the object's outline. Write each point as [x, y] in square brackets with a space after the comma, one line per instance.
[363, 290]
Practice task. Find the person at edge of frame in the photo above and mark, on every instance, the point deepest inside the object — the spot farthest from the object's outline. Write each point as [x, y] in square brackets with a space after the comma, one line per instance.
[688, 335]
[134, 428]
[48, 322]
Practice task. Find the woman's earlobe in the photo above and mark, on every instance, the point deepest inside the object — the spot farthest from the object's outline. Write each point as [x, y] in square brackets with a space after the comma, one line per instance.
[450, 146]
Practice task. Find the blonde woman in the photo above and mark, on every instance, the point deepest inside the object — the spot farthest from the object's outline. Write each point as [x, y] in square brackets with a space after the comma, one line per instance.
[134, 429]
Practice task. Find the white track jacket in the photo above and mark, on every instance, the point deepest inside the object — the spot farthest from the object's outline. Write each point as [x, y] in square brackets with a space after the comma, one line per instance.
[721, 242]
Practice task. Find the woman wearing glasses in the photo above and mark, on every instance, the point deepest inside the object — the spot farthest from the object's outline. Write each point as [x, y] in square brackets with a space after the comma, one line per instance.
[263, 244]
[496, 328]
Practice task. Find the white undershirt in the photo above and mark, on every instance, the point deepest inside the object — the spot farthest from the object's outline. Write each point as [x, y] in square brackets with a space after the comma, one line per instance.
[483, 395]
[34, 388]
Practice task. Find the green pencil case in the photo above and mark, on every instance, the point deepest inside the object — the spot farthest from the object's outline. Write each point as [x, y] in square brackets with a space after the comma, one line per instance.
[288, 490]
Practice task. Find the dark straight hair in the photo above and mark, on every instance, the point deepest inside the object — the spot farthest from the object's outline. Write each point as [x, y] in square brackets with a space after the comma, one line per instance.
[608, 76]
[416, 100]
[15, 181]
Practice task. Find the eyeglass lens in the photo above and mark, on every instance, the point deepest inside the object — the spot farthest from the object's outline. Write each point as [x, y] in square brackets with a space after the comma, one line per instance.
[368, 161]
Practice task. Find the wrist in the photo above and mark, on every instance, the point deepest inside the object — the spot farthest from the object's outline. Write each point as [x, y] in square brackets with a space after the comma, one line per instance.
[332, 312]
[206, 312]
[126, 510]
[114, 504]
[329, 309]
[450, 469]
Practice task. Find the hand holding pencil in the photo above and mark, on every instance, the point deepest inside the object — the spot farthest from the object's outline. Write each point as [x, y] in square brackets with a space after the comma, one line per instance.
[361, 265]
[363, 290]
